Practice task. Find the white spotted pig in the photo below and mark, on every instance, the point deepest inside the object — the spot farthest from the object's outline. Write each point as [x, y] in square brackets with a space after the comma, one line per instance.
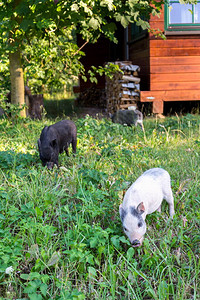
[144, 197]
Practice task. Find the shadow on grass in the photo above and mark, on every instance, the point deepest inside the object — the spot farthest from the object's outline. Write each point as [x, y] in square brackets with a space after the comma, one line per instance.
[10, 159]
[68, 108]
[59, 108]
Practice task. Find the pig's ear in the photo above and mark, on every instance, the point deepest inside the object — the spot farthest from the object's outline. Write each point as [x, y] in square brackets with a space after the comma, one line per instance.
[122, 212]
[141, 208]
[53, 143]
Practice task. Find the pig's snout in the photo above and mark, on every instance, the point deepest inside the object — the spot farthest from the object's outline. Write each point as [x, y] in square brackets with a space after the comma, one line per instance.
[136, 243]
[50, 165]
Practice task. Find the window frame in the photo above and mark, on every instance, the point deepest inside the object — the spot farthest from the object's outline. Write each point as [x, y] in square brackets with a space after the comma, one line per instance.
[179, 27]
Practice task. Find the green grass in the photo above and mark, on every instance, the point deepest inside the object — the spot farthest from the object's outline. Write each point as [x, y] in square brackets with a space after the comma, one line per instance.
[60, 230]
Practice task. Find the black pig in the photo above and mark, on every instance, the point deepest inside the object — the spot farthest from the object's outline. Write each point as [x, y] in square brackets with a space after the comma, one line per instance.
[55, 139]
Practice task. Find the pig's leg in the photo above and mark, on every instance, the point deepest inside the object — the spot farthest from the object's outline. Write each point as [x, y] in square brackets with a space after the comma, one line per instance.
[67, 151]
[159, 209]
[170, 200]
[74, 142]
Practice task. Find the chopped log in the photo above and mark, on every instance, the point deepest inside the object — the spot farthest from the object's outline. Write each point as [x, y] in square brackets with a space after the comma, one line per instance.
[122, 106]
[131, 78]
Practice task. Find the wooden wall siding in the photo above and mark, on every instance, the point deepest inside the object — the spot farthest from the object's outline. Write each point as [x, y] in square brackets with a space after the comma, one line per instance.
[174, 71]
[163, 52]
[139, 55]
[182, 95]
[174, 64]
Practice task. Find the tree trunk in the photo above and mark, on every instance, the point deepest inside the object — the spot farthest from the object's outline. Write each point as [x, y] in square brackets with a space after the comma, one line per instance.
[17, 80]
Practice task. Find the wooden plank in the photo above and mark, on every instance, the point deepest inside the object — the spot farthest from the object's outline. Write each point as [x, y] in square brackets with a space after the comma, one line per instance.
[168, 86]
[126, 105]
[175, 60]
[174, 51]
[175, 43]
[170, 69]
[173, 95]
[175, 77]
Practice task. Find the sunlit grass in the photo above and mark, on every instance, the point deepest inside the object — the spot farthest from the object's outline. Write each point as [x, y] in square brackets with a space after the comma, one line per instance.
[60, 230]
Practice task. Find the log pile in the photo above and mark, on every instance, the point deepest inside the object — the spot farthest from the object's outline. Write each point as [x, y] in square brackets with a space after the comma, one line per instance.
[123, 89]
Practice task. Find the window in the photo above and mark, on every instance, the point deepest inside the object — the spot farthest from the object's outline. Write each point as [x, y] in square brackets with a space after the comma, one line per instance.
[182, 17]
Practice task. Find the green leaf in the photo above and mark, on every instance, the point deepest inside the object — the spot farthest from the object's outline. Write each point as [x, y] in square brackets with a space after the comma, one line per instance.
[25, 276]
[115, 241]
[31, 288]
[124, 240]
[30, 276]
[43, 288]
[94, 23]
[35, 296]
[84, 78]
[92, 272]
[124, 21]
[38, 211]
[130, 253]
[93, 242]
[108, 3]
[74, 7]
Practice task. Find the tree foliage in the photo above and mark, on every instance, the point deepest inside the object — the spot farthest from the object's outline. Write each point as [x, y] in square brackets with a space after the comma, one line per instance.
[53, 63]
[44, 31]
[39, 18]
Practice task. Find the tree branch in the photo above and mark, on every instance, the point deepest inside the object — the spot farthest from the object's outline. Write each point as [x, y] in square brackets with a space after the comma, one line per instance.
[81, 48]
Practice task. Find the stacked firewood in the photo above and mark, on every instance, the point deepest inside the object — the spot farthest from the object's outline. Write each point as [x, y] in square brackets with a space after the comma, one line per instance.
[123, 89]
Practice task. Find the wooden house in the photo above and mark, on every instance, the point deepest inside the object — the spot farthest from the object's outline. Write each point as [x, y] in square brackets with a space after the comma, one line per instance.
[170, 67]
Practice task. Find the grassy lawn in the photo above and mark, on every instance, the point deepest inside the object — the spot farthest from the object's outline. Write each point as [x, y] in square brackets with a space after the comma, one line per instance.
[60, 232]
